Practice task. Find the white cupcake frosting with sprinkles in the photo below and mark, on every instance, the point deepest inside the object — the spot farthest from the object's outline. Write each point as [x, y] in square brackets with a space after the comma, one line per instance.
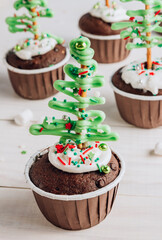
[114, 13]
[140, 77]
[29, 48]
[67, 157]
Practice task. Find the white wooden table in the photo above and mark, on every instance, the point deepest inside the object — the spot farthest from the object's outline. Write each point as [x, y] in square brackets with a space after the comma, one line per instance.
[137, 211]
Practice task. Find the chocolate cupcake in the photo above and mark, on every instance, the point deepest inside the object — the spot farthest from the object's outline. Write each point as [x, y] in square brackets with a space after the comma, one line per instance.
[34, 63]
[75, 181]
[138, 86]
[107, 43]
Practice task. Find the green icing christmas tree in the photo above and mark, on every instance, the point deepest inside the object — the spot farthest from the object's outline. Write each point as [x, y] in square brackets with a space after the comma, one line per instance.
[28, 22]
[142, 29]
[89, 126]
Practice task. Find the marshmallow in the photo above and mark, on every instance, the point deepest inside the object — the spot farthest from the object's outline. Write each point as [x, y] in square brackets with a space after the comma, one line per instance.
[158, 148]
[24, 117]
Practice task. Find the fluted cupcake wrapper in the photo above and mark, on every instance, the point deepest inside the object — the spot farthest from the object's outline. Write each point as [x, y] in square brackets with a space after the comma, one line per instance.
[37, 83]
[75, 212]
[79, 214]
[141, 111]
[108, 49]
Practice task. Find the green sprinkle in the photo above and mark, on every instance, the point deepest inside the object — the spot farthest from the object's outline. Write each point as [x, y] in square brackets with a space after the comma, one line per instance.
[78, 165]
[53, 118]
[86, 115]
[65, 100]
[89, 130]
[65, 153]
[75, 153]
[23, 152]
[88, 135]
[89, 89]
[54, 99]
[63, 88]
[51, 65]
[72, 149]
[96, 160]
[55, 152]
[83, 111]
[55, 123]
[98, 167]
[84, 90]
[93, 100]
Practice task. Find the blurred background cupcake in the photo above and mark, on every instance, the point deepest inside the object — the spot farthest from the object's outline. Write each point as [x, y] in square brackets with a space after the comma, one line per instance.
[36, 62]
[96, 25]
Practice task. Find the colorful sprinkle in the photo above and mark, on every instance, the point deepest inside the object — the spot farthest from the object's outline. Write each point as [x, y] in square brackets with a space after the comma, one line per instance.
[61, 161]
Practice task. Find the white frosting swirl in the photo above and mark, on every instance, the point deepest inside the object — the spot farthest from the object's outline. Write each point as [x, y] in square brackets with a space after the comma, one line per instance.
[109, 14]
[92, 157]
[31, 47]
[142, 78]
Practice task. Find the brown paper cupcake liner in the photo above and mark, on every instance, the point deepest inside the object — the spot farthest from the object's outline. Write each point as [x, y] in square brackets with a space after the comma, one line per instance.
[79, 214]
[75, 212]
[141, 111]
[110, 50]
[38, 83]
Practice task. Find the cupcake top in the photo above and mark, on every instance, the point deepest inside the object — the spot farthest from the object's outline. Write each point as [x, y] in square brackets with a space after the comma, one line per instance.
[141, 74]
[137, 74]
[113, 13]
[40, 43]
[83, 143]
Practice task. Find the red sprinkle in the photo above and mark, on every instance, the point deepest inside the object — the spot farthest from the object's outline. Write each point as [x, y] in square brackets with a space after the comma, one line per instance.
[15, 15]
[139, 33]
[142, 67]
[86, 157]
[22, 20]
[29, 26]
[90, 164]
[69, 161]
[141, 72]
[41, 130]
[82, 159]
[80, 91]
[152, 73]
[139, 22]
[157, 13]
[131, 18]
[87, 150]
[38, 14]
[156, 63]
[96, 145]
[24, 30]
[61, 161]
[71, 146]
[97, 142]
[126, 38]
[83, 73]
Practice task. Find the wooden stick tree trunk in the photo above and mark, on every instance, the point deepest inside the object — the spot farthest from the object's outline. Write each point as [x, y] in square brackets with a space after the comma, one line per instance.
[36, 36]
[83, 94]
[148, 34]
[107, 3]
